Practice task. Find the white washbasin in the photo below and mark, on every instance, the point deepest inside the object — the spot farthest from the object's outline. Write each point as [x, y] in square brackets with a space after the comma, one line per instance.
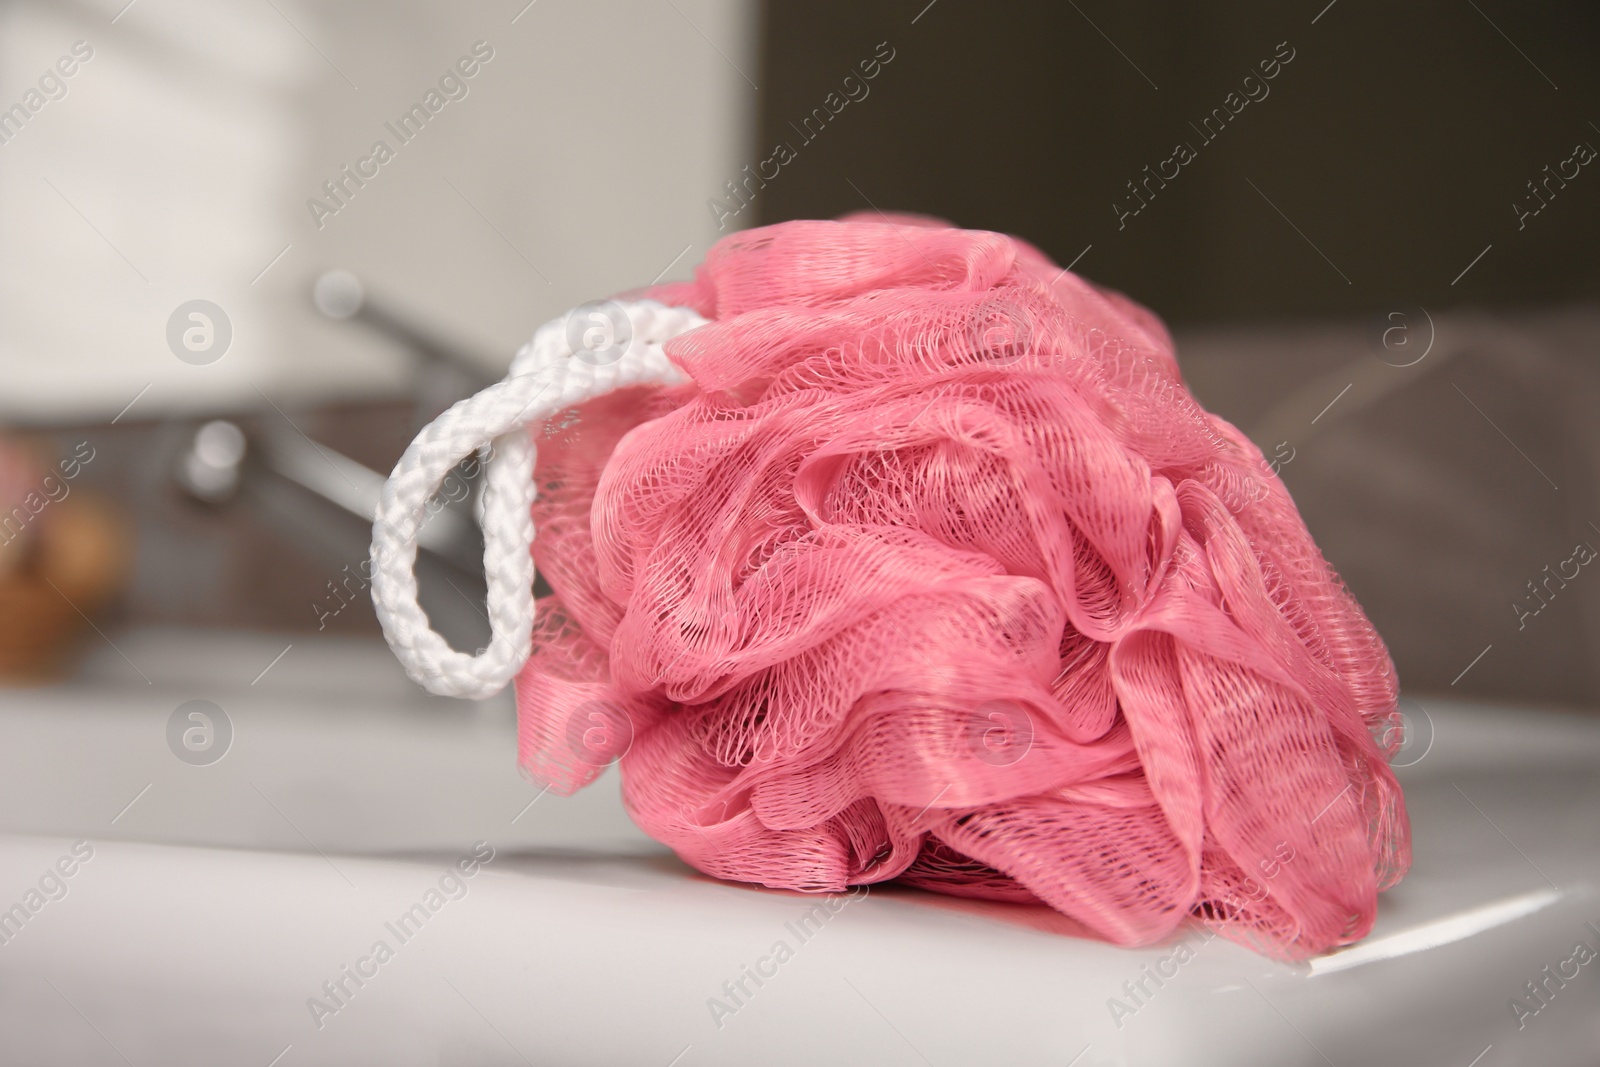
[333, 748]
[216, 906]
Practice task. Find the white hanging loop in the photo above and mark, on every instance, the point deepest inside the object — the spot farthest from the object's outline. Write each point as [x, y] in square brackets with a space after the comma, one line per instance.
[588, 352]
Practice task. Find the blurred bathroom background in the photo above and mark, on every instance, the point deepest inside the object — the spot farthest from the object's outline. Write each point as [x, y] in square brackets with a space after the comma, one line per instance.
[223, 311]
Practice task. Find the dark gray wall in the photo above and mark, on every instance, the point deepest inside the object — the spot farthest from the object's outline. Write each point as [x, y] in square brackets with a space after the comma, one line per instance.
[1396, 141]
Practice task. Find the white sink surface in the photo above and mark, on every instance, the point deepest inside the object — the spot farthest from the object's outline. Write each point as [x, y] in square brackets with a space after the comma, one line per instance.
[217, 904]
[333, 748]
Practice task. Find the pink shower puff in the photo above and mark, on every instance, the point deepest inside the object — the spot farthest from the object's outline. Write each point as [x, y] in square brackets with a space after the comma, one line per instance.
[936, 572]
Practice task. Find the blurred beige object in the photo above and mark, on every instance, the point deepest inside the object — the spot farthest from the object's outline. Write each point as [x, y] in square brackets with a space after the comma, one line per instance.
[13, 551]
[20, 471]
[49, 590]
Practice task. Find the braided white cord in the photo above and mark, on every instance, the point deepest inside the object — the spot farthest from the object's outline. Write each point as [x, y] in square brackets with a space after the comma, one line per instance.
[546, 377]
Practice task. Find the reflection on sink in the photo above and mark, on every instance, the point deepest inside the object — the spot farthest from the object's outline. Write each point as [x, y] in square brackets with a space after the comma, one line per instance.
[234, 912]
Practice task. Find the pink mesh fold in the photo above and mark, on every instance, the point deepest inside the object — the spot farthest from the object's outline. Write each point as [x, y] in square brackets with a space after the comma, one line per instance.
[936, 572]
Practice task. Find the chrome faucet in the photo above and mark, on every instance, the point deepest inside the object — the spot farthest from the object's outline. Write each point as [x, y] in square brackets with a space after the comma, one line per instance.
[221, 457]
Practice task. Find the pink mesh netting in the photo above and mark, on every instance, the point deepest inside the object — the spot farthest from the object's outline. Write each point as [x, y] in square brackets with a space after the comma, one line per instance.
[936, 572]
